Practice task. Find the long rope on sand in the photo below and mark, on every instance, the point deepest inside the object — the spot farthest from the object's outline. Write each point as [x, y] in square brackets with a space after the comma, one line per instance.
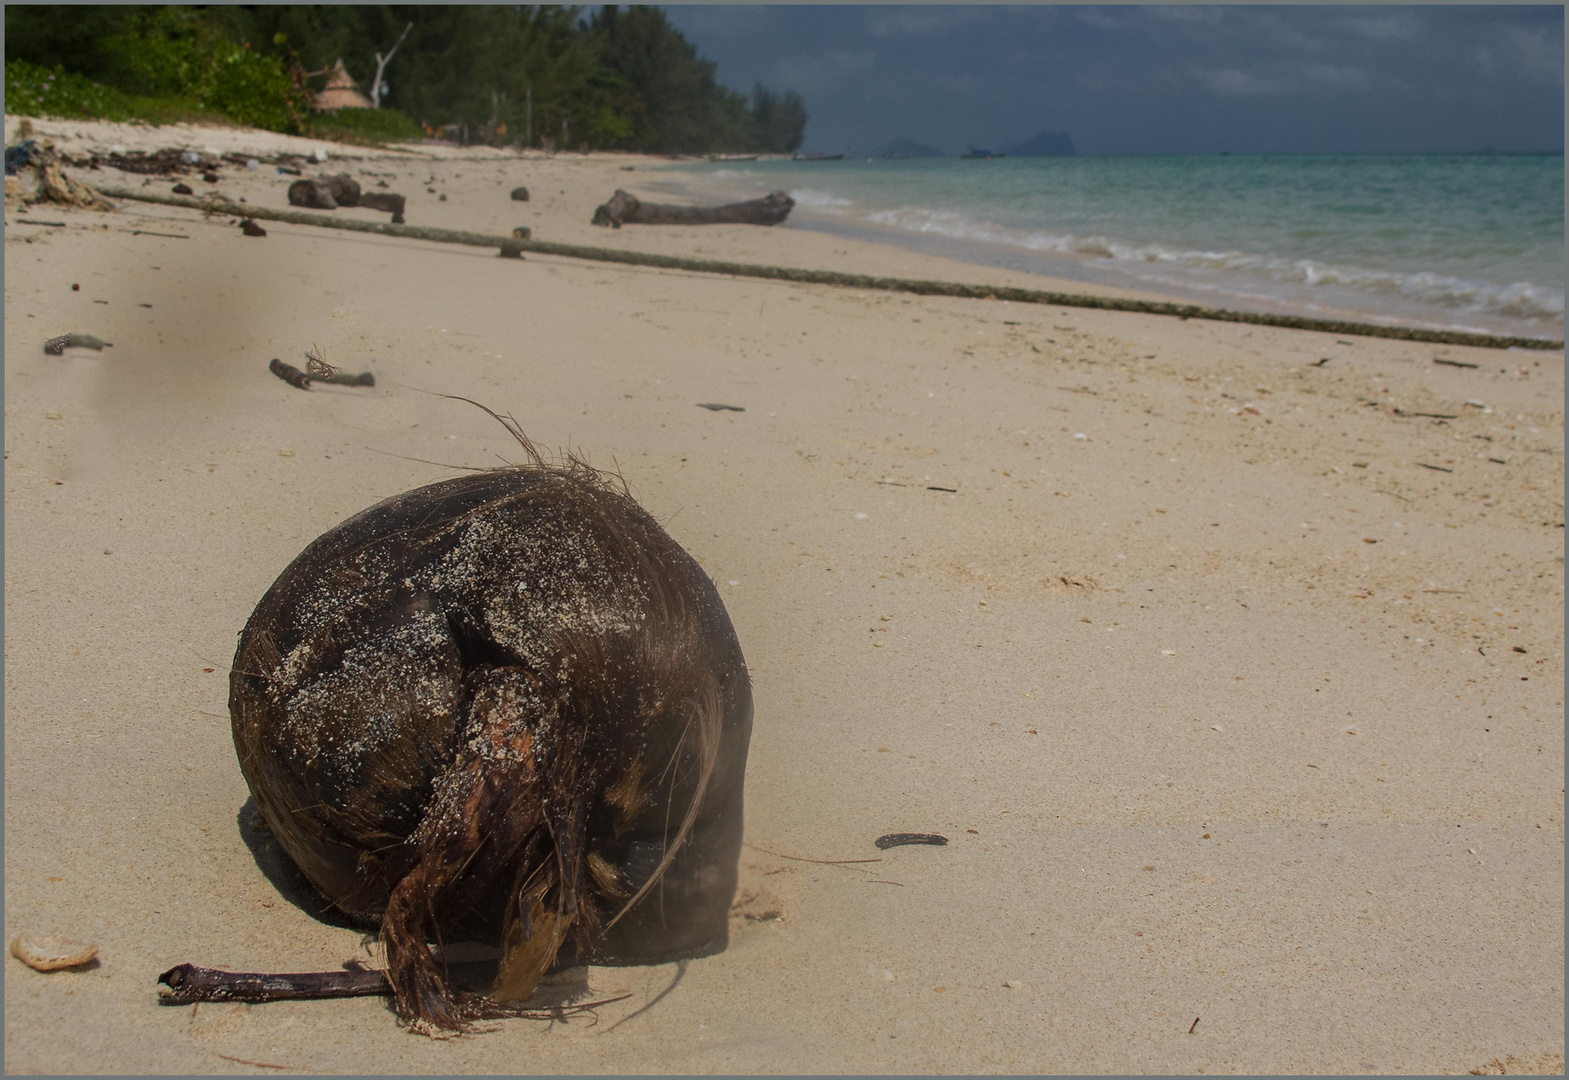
[512, 246]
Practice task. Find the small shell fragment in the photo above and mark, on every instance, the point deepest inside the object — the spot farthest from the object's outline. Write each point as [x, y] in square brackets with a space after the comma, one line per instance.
[43, 953]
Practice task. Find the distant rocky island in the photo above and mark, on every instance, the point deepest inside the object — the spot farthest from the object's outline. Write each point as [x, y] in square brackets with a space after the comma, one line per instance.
[1046, 144]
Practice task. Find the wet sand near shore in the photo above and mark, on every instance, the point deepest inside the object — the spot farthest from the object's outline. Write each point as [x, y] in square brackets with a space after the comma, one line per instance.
[1229, 659]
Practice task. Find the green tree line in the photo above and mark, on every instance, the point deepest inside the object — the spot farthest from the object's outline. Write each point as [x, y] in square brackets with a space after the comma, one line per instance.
[613, 78]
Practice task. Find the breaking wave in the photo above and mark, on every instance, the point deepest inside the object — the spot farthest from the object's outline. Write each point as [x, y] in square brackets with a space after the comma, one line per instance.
[1519, 300]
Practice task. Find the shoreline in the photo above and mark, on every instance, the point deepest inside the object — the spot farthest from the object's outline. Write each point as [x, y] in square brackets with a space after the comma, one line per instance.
[1229, 658]
[1225, 288]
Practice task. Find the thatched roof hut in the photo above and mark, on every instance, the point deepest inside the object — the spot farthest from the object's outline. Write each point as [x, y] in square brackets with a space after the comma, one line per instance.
[341, 92]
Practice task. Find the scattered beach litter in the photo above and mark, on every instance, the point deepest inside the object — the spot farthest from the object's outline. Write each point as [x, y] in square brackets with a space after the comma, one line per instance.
[56, 346]
[714, 406]
[20, 156]
[44, 953]
[900, 839]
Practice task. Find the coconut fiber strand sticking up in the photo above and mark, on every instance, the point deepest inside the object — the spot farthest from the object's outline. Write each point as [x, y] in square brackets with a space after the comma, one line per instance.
[509, 708]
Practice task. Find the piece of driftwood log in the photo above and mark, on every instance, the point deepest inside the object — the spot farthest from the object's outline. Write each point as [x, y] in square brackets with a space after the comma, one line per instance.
[624, 208]
[514, 248]
[331, 192]
[325, 192]
[386, 201]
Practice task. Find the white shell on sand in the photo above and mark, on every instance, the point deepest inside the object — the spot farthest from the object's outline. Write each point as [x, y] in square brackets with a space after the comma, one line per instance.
[44, 953]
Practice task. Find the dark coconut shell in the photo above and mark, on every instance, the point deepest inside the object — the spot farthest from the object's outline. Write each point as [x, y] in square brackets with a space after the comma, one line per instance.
[503, 707]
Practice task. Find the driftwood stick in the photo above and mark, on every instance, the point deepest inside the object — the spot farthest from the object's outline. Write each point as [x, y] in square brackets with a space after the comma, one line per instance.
[188, 983]
[511, 246]
[219, 205]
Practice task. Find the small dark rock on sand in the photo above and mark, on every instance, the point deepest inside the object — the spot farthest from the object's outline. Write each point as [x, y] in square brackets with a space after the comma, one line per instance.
[520, 194]
[250, 228]
[210, 177]
[183, 189]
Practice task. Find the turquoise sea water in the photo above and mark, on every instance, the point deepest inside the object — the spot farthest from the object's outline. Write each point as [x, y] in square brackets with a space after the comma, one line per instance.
[1473, 241]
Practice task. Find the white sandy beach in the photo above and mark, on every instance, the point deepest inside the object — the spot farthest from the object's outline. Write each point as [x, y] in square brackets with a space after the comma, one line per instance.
[1237, 688]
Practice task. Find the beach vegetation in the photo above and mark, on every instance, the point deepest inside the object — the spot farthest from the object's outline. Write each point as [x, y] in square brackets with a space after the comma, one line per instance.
[368, 126]
[552, 77]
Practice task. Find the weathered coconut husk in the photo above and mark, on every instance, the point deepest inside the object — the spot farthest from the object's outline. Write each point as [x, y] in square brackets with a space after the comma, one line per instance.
[503, 707]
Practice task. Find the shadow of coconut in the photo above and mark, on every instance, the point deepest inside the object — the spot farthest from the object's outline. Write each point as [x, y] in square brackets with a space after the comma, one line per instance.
[279, 869]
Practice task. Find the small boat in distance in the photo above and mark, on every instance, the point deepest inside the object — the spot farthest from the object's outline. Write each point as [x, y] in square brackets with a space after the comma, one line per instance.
[732, 157]
[986, 155]
[817, 157]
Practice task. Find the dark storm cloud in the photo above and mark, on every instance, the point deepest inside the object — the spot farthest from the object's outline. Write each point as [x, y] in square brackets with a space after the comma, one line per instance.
[1157, 79]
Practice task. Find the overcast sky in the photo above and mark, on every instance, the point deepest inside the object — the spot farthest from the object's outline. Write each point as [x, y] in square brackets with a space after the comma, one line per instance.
[1153, 80]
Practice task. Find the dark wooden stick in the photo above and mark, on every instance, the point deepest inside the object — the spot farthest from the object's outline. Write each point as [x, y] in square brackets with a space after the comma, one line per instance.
[187, 984]
[899, 839]
[1454, 363]
[289, 374]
